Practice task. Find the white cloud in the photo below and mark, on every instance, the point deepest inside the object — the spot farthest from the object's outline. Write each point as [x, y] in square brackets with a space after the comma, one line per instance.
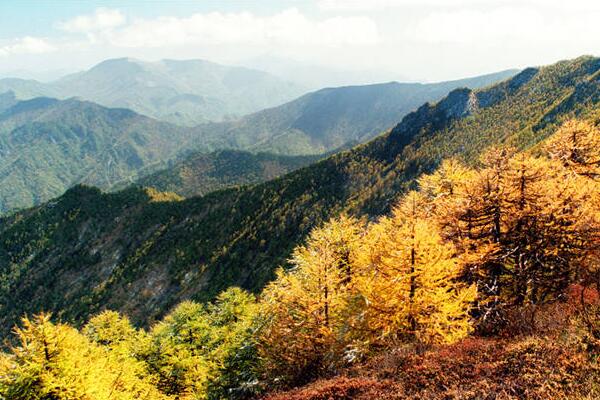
[469, 26]
[432, 39]
[27, 45]
[378, 5]
[102, 19]
[288, 28]
[374, 5]
[528, 25]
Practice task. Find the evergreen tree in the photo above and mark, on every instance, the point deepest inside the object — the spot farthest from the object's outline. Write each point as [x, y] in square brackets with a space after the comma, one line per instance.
[206, 351]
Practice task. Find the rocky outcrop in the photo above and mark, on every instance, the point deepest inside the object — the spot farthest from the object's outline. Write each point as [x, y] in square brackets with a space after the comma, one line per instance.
[458, 104]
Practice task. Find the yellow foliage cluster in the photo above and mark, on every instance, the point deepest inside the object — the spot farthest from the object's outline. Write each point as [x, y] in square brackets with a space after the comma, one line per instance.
[196, 352]
[55, 361]
[453, 256]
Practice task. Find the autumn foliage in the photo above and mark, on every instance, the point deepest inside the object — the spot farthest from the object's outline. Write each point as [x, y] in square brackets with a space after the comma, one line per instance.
[472, 250]
[482, 283]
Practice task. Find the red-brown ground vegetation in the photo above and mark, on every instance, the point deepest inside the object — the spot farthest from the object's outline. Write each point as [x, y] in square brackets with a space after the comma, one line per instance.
[552, 355]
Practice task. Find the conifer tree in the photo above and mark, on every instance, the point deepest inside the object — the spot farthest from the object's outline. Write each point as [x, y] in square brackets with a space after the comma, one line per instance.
[306, 306]
[409, 280]
[55, 361]
[233, 318]
[206, 351]
[174, 356]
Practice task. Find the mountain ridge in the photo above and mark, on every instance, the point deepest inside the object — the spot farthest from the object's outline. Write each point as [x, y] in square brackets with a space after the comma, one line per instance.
[314, 124]
[328, 118]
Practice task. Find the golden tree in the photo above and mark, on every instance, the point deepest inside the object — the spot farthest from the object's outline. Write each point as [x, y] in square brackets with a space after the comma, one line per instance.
[409, 282]
[521, 225]
[577, 146]
[306, 306]
[54, 361]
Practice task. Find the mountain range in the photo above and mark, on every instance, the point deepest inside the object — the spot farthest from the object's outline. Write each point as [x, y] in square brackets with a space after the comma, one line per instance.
[330, 118]
[184, 92]
[48, 145]
[142, 252]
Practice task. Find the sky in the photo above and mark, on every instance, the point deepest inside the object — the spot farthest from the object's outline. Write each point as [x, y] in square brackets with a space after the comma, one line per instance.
[425, 40]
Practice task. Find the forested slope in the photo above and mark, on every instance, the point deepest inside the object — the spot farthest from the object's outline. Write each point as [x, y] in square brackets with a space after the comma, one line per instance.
[140, 252]
[201, 173]
[48, 145]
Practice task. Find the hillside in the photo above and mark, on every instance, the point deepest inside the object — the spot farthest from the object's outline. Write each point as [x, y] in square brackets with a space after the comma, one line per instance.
[201, 173]
[137, 252]
[48, 145]
[330, 118]
[25, 89]
[184, 92]
[7, 100]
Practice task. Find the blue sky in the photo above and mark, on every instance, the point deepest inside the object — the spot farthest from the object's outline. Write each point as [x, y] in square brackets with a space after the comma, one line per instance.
[39, 17]
[415, 39]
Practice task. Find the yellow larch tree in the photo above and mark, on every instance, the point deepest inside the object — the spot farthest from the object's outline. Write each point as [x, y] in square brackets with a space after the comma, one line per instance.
[409, 280]
[55, 361]
[306, 306]
[577, 146]
[520, 224]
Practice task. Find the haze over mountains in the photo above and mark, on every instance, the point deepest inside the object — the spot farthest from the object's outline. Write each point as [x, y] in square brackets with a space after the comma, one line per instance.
[330, 118]
[48, 145]
[316, 77]
[183, 92]
[141, 253]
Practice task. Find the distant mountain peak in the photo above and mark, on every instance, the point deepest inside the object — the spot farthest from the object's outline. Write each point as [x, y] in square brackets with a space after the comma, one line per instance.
[119, 60]
[117, 65]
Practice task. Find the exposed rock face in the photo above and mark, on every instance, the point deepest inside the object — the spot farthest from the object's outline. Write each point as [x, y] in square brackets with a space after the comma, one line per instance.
[458, 104]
